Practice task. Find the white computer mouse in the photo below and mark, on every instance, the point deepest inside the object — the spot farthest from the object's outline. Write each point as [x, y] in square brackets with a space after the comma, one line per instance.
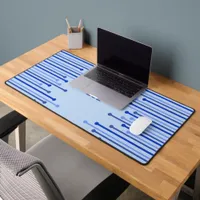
[139, 125]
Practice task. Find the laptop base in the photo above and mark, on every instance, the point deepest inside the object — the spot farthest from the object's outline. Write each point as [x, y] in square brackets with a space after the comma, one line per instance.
[102, 92]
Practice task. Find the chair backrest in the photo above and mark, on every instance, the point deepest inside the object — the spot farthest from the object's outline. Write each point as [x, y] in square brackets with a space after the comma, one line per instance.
[23, 177]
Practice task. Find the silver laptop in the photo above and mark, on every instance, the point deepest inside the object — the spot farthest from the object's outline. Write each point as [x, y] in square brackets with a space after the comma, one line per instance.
[122, 72]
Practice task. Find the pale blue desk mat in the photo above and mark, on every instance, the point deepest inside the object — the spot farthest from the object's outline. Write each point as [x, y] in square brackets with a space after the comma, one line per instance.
[47, 84]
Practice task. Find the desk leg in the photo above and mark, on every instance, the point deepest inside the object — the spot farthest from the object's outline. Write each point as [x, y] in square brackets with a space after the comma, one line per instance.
[176, 196]
[20, 137]
[196, 193]
[5, 139]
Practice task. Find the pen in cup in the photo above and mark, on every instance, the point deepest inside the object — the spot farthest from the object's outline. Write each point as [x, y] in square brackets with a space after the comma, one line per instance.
[80, 25]
[81, 28]
[69, 27]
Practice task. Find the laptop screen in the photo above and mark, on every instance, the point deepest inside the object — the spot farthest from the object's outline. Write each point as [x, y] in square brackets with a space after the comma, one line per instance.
[123, 55]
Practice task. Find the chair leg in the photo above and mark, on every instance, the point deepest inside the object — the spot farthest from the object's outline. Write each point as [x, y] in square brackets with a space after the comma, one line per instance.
[20, 137]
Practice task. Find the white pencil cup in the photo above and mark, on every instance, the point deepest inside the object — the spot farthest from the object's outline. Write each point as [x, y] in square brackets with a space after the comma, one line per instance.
[75, 38]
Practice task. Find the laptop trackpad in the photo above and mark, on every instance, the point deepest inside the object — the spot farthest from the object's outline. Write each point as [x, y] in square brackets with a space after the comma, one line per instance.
[81, 82]
[106, 94]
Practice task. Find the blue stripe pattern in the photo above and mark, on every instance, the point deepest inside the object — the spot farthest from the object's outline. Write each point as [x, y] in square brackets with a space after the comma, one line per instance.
[48, 84]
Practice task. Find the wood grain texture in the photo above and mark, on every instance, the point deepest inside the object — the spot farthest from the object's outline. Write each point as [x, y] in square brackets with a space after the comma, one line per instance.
[168, 170]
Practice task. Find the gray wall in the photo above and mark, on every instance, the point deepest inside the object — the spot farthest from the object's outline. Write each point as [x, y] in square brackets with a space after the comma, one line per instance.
[172, 27]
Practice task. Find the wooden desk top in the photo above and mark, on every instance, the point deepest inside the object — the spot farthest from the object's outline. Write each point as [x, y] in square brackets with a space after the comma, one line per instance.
[168, 170]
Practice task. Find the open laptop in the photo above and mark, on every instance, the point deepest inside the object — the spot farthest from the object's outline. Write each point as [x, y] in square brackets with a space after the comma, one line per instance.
[121, 73]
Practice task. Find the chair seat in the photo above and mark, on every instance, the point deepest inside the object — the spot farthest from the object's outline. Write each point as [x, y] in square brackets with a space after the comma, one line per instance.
[75, 174]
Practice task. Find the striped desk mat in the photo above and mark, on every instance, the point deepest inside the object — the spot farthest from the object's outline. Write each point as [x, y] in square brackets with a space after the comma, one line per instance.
[47, 84]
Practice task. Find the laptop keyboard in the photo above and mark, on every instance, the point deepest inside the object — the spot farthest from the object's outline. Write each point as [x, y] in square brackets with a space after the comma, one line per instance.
[114, 82]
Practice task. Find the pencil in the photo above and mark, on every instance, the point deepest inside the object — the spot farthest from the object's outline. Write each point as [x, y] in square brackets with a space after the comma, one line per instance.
[82, 28]
[69, 27]
[80, 25]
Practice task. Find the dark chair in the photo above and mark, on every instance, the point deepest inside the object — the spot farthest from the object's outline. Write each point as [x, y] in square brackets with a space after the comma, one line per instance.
[9, 123]
[51, 169]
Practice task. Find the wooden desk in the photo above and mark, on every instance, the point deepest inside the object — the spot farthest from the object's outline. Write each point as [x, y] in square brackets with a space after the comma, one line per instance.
[165, 174]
